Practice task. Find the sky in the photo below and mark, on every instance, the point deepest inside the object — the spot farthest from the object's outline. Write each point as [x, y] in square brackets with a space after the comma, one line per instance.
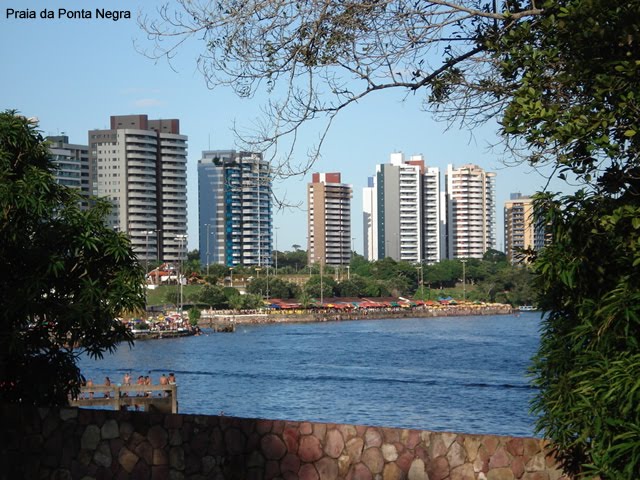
[73, 74]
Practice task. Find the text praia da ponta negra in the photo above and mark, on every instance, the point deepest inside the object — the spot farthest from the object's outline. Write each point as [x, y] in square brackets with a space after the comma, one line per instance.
[53, 13]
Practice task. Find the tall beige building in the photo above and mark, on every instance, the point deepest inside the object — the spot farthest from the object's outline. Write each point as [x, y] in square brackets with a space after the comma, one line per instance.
[140, 165]
[521, 230]
[329, 220]
[471, 211]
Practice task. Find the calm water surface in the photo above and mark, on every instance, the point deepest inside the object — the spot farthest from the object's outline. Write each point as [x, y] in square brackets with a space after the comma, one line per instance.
[464, 374]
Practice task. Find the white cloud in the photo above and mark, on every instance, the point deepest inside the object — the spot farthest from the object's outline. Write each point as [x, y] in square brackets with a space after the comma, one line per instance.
[147, 102]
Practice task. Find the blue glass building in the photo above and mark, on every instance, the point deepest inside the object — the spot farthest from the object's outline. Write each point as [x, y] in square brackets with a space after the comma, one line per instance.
[234, 208]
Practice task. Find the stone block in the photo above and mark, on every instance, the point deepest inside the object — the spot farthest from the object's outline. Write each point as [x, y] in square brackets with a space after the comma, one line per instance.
[372, 438]
[273, 447]
[255, 460]
[462, 472]
[327, 468]
[536, 463]
[127, 459]
[438, 468]
[417, 471]
[373, 459]
[515, 446]
[359, 472]
[290, 463]
[144, 450]
[517, 467]
[176, 458]
[532, 446]
[102, 455]
[310, 449]
[235, 441]
[160, 457]
[173, 421]
[319, 430]
[291, 437]
[354, 449]
[263, 426]
[271, 470]
[344, 463]
[90, 438]
[391, 471]
[490, 444]
[110, 429]
[389, 452]
[160, 472]
[306, 428]
[456, 455]
[500, 474]
[308, 472]
[404, 461]
[471, 445]
[157, 436]
[334, 444]
[348, 432]
[499, 459]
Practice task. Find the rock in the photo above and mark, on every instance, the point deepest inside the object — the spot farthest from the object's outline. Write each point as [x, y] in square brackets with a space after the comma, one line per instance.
[392, 472]
[273, 447]
[389, 452]
[327, 468]
[354, 449]
[102, 455]
[110, 430]
[417, 472]
[90, 438]
[310, 449]
[157, 436]
[127, 459]
[334, 444]
[438, 468]
[308, 472]
[499, 459]
[456, 455]
[373, 459]
[500, 474]
[462, 472]
[372, 438]
[68, 414]
[176, 458]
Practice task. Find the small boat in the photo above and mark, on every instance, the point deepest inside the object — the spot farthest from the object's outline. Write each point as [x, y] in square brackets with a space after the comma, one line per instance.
[527, 308]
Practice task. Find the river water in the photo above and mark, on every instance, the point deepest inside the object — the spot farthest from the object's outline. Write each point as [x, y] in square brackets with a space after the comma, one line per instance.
[461, 374]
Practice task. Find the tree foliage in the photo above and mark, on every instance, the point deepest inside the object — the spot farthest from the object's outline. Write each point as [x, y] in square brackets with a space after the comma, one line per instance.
[66, 276]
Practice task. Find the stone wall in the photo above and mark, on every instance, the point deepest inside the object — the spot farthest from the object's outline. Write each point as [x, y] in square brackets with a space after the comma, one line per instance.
[93, 444]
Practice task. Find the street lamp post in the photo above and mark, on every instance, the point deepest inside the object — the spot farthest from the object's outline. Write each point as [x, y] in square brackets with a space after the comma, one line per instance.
[181, 239]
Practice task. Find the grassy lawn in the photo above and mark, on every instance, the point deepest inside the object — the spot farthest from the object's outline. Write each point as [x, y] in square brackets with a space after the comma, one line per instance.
[157, 296]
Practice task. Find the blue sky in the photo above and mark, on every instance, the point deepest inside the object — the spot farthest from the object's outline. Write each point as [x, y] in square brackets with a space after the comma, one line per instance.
[73, 74]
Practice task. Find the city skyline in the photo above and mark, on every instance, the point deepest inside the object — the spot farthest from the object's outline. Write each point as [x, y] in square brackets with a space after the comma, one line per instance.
[124, 81]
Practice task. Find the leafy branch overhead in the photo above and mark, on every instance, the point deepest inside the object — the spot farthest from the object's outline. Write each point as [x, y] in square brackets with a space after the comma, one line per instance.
[315, 58]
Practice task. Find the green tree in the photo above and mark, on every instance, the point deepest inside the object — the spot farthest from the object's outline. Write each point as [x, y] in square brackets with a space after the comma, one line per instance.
[213, 296]
[273, 287]
[194, 316]
[313, 286]
[66, 276]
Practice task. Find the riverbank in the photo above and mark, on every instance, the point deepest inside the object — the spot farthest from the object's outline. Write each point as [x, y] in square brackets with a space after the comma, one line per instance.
[210, 317]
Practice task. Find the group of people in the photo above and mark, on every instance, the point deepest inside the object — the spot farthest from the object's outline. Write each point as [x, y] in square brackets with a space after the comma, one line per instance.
[127, 381]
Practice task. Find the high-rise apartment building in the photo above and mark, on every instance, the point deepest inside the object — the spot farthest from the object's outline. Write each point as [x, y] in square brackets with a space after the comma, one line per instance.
[140, 165]
[471, 222]
[234, 208]
[521, 229]
[71, 162]
[329, 220]
[402, 211]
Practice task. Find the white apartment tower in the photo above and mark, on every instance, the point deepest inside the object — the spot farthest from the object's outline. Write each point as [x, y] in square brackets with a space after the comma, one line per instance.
[140, 165]
[471, 217]
[71, 162]
[521, 229]
[329, 220]
[402, 211]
